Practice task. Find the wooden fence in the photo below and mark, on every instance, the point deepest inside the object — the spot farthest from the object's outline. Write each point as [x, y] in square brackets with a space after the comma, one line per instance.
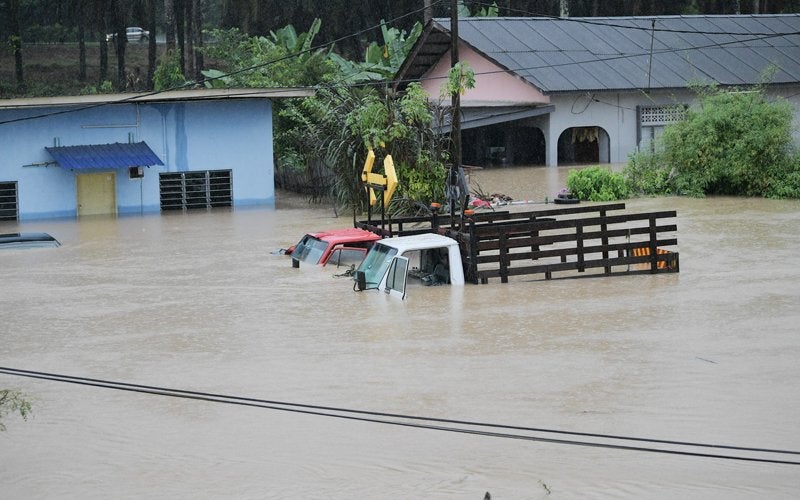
[565, 241]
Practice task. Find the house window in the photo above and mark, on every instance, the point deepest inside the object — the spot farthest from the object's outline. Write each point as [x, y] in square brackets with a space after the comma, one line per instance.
[653, 119]
[8, 201]
[196, 189]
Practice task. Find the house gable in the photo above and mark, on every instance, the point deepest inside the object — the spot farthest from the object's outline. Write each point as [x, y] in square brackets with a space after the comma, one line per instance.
[494, 85]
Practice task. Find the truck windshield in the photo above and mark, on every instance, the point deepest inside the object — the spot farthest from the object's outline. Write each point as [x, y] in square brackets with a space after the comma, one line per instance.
[376, 263]
[310, 249]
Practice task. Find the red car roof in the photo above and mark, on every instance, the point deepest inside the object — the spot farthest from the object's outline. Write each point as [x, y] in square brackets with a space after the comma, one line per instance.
[349, 235]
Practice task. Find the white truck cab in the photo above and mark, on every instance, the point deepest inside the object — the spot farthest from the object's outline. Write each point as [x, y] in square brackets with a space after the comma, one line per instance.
[432, 258]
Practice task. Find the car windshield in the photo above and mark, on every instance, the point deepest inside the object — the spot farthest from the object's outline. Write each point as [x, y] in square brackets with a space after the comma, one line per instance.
[376, 263]
[310, 249]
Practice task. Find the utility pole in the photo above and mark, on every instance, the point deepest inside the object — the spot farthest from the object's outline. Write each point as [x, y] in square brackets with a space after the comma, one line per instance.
[455, 105]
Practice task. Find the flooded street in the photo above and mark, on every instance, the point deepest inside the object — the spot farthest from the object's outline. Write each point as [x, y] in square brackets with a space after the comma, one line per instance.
[198, 302]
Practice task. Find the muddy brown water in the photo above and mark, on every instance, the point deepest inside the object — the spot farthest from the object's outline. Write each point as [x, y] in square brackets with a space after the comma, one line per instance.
[198, 302]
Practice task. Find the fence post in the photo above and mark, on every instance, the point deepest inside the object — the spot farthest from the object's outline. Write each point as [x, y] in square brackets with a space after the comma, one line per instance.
[472, 270]
[604, 241]
[652, 245]
[579, 242]
[503, 256]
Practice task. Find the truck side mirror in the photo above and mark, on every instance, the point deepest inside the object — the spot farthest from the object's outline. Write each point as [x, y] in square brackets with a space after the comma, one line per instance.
[295, 263]
[361, 280]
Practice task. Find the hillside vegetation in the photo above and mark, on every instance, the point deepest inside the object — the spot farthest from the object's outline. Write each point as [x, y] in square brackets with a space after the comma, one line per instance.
[52, 69]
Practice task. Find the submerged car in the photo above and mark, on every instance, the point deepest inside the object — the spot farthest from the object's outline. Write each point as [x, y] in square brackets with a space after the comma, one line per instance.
[132, 33]
[27, 240]
[340, 247]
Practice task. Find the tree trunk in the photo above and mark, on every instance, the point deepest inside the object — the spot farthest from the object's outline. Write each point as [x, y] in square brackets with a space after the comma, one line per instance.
[15, 40]
[198, 40]
[189, 37]
[81, 51]
[151, 42]
[180, 30]
[120, 42]
[427, 12]
[169, 17]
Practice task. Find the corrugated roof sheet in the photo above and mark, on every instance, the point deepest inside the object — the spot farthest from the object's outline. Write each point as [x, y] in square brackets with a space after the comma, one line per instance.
[613, 53]
[94, 156]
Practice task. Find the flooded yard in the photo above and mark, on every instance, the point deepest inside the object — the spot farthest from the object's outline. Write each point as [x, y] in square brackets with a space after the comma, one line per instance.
[197, 301]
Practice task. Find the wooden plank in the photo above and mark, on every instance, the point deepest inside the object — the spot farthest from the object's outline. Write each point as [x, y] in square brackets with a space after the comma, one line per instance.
[548, 269]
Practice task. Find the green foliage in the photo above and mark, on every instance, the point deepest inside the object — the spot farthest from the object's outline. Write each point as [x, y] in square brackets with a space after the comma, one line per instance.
[321, 142]
[486, 11]
[647, 173]
[106, 87]
[460, 78]
[381, 62]
[735, 143]
[167, 74]
[597, 184]
[13, 402]
[284, 59]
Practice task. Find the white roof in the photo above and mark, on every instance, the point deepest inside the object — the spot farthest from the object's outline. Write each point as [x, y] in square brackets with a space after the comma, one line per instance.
[171, 95]
[419, 242]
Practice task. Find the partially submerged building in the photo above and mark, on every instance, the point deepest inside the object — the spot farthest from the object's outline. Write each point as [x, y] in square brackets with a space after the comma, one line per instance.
[137, 153]
[578, 90]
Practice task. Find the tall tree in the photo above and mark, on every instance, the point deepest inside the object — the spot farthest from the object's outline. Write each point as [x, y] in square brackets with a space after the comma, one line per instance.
[169, 24]
[189, 36]
[118, 15]
[15, 40]
[150, 7]
[198, 39]
[80, 7]
[100, 9]
[180, 30]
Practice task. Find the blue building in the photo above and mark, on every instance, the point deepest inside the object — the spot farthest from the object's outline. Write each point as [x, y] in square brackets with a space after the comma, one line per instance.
[137, 153]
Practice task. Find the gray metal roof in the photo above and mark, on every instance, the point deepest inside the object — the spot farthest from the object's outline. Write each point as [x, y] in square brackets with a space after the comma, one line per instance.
[614, 53]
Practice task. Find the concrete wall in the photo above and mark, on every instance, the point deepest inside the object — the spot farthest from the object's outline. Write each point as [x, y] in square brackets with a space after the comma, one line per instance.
[186, 135]
[615, 112]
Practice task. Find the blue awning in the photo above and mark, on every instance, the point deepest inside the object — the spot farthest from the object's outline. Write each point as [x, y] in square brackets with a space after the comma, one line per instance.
[94, 156]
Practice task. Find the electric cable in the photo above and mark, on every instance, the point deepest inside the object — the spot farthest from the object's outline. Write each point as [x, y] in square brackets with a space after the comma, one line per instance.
[414, 420]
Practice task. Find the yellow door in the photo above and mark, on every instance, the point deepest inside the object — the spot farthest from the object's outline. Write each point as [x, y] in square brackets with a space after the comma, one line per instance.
[97, 194]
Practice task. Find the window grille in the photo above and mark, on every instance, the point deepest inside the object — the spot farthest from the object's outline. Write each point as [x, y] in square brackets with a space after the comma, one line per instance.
[195, 189]
[9, 206]
[661, 115]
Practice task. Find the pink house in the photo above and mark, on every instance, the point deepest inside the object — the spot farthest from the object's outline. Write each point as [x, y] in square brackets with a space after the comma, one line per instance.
[594, 90]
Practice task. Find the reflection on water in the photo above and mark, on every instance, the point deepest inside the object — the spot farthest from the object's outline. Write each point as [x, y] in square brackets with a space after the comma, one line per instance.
[197, 301]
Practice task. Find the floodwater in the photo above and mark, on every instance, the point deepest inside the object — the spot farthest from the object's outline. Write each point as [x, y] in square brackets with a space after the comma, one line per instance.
[198, 302]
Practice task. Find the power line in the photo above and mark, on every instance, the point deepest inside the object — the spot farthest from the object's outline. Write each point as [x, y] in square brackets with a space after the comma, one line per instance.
[414, 421]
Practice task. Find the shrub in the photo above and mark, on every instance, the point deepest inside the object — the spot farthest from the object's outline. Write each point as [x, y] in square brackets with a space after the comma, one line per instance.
[648, 174]
[735, 143]
[597, 184]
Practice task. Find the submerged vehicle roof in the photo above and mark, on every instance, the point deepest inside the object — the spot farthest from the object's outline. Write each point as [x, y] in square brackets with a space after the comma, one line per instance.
[419, 242]
[28, 240]
[347, 235]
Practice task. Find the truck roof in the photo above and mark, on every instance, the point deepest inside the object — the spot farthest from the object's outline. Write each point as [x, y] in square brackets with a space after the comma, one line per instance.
[347, 235]
[419, 242]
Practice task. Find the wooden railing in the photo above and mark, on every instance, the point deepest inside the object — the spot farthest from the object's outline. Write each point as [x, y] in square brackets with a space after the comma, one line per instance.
[555, 241]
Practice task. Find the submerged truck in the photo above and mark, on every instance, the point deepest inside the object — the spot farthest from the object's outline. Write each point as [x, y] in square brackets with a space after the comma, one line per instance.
[339, 247]
[594, 240]
[431, 258]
